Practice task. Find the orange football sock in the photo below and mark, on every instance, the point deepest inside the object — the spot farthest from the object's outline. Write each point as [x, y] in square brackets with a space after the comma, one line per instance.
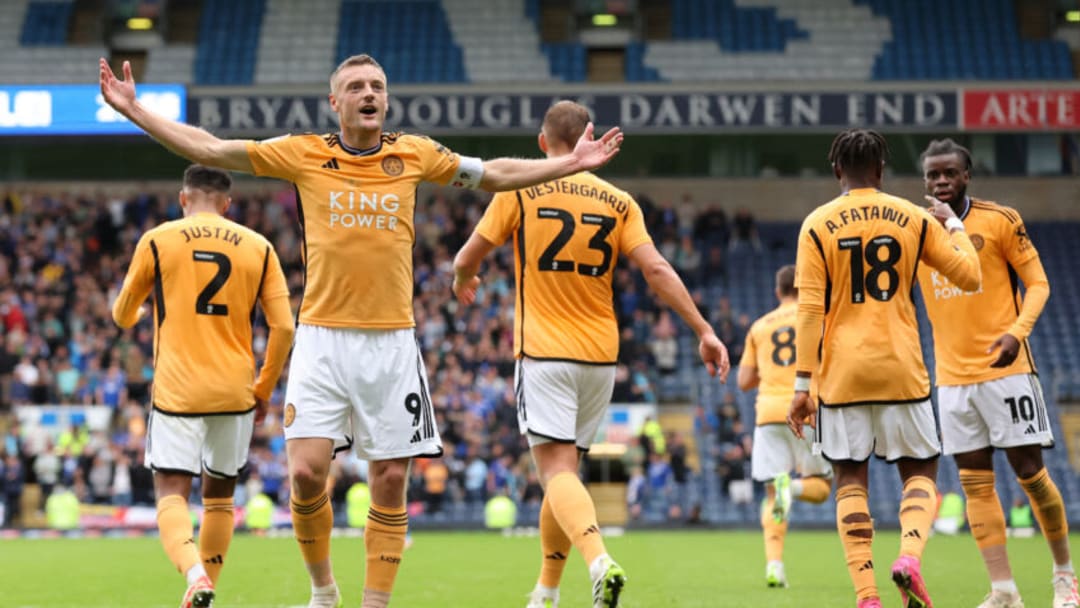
[384, 540]
[918, 508]
[573, 508]
[774, 532]
[215, 534]
[814, 490]
[313, 521]
[856, 530]
[177, 535]
[554, 547]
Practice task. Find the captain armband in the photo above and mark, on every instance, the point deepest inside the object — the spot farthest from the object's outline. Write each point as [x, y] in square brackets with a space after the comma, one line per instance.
[468, 173]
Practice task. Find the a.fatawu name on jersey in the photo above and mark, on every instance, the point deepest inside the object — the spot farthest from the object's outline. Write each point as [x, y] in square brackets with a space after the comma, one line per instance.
[373, 210]
[944, 288]
[866, 213]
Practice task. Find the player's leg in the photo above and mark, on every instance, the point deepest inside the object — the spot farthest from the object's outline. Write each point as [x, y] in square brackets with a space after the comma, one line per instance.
[225, 452]
[1049, 508]
[986, 520]
[316, 419]
[856, 527]
[770, 463]
[846, 438]
[966, 436]
[907, 435]
[553, 459]
[216, 530]
[815, 474]
[178, 537]
[393, 421]
[387, 524]
[173, 446]
[312, 514]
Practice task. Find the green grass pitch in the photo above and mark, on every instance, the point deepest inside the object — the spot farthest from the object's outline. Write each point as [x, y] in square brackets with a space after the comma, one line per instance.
[695, 568]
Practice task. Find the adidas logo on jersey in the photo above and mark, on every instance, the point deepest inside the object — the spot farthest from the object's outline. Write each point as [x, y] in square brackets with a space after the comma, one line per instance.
[415, 437]
[1030, 430]
[331, 164]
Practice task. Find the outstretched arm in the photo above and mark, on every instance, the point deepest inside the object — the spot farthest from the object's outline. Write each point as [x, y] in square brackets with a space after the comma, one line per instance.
[503, 174]
[663, 279]
[185, 140]
[467, 264]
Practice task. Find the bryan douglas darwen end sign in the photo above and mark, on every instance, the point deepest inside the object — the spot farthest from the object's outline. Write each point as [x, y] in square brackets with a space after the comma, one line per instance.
[660, 113]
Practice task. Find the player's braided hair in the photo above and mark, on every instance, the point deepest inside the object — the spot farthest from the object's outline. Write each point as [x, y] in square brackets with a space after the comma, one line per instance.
[858, 151]
[939, 147]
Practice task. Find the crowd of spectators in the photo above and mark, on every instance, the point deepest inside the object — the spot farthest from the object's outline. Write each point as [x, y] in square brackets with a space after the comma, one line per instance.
[62, 261]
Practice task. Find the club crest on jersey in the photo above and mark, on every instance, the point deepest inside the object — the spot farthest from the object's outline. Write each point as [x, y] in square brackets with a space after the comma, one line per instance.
[393, 165]
[977, 242]
[290, 414]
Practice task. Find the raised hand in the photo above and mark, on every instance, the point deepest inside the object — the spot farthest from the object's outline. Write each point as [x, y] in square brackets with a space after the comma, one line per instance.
[466, 293]
[120, 94]
[941, 211]
[715, 355]
[803, 411]
[595, 153]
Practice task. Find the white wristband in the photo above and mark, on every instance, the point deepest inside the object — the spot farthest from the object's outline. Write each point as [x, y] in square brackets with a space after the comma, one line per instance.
[954, 223]
[802, 383]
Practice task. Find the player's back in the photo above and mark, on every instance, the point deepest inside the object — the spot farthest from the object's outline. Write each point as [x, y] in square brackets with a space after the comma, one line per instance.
[569, 234]
[867, 244]
[208, 272]
[772, 338]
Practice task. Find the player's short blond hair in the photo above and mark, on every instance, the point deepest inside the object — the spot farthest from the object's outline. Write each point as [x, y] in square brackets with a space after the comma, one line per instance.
[565, 121]
[361, 59]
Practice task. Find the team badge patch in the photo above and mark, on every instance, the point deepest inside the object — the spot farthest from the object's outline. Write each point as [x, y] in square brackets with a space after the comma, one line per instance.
[977, 242]
[290, 414]
[393, 165]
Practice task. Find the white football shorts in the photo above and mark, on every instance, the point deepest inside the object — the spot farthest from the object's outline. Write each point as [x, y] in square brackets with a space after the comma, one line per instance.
[1003, 413]
[216, 444]
[777, 451]
[888, 430]
[562, 401]
[362, 388]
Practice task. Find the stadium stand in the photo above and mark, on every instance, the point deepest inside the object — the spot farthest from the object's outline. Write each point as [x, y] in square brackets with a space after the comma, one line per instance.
[499, 41]
[228, 40]
[413, 45]
[298, 41]
[770, 40]
[32, 35]
[935, 40]
[46, 24]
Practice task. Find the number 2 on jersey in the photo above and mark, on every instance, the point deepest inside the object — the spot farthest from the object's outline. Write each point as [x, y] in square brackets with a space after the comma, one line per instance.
[203, 305]
[598, 242]
[872, 281]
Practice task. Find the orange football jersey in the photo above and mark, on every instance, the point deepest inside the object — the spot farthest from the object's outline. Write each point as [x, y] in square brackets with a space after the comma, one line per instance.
[356, 213]
[966, 323]
[770, 347]
[860, 252]
[206, 274]
[568, 234]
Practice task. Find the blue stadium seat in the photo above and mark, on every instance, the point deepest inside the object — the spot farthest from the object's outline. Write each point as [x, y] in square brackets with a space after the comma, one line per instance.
[228, 40]
[737, 29]
[926, 33]
[46, 24]
[412, 40]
